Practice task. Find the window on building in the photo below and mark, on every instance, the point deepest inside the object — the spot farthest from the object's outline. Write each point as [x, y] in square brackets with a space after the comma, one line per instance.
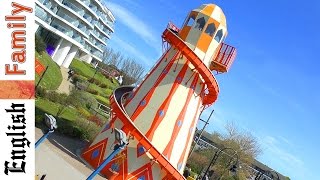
[219, 35]
[200, 23]
[211, 28]
[191, 20]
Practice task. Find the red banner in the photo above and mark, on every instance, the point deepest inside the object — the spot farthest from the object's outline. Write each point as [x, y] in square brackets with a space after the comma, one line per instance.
[39, 67]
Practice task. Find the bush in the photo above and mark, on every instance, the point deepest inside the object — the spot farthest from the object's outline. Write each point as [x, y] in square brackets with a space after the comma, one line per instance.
[95, 119]
[92, 91]
[102, 100]
[95, 81]
[78, 78]
[86, 130]
[40, 45]
[83, 99]
[103, 85]
[56, 97]
[41, 91]
[84, 112]
[108, 92]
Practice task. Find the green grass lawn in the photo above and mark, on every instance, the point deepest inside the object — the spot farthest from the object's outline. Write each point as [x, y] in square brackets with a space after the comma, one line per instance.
[88, 71]
[49, 107]
[52, 78]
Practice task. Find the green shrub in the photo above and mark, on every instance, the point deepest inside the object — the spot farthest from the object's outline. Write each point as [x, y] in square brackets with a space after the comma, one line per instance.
[65, 126]
[40, 45]
[95, 119]
[41, 91]
[78, 78]
[95, 81]
[87, 129]
[88, 71]
[102, 100]
[92, 91]
[108, 92]
[84, 112]
[56, 97]
[83, 99]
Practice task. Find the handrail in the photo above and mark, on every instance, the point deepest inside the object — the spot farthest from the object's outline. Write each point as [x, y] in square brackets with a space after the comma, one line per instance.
[209, 79]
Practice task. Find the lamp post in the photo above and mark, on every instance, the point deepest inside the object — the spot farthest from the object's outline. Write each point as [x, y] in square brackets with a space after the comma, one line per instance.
[215, 157]
[51, 123]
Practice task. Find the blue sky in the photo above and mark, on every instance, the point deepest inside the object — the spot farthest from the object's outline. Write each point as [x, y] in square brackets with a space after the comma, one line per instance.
[272, 89]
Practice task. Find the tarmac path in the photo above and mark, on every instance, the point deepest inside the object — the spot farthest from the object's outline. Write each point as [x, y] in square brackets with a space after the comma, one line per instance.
[57, 158]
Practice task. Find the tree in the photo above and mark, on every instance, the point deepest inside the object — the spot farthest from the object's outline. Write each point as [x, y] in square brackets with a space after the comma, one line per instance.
[107, 55]
[132, 71]
[243, 143]
[40, 45]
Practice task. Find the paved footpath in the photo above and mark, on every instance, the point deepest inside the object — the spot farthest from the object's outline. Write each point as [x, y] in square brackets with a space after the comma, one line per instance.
[65, 85]
[56, 157]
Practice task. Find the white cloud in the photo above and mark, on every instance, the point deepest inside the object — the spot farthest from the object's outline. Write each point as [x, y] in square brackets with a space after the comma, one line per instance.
[278, 153]
[134, 23]
[131, 49]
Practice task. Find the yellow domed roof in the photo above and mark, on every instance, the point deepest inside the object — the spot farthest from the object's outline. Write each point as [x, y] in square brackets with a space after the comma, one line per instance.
[214, 12]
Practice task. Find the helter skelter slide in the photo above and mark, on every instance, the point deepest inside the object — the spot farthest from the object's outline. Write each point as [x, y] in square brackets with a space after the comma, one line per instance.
[161, 113]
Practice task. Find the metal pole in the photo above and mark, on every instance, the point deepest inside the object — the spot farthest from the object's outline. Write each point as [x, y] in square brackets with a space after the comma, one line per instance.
[45, 136]
[215, 157]
[199, 137]
[116, 150]
[213, 160]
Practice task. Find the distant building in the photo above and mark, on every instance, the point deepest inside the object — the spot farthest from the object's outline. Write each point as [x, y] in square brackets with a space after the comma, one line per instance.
[74, 28]
[257, 167]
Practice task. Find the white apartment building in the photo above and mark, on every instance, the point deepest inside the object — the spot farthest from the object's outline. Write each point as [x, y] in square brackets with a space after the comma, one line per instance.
[74, 28]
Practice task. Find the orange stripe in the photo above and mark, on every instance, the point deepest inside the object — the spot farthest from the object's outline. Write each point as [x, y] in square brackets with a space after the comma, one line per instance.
[189, 134]
[151, 72]
[148, 96]
[139, 136]
[164, 107]
[181, 117]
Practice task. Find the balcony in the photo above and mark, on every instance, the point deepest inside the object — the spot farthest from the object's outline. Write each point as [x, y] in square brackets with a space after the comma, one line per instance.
[97, 53]
[100, 28]
[40, 13]
[87, 47]
[92, 43]
[64, 30]
[101, 46]
[77, 38]
[86, 2]
[74, 8]
[224, 58]
[69, 19]
[93, 8]
[86, 5]
[87, 17]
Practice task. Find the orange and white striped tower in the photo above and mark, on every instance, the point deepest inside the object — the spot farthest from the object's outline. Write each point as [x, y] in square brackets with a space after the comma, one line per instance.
[160, 115]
